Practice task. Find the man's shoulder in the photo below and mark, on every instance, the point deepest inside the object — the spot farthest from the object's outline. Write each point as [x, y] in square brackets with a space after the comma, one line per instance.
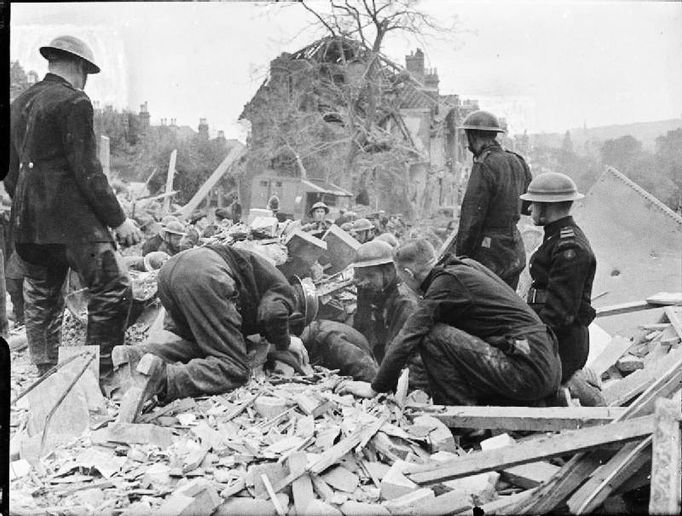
[572, 242]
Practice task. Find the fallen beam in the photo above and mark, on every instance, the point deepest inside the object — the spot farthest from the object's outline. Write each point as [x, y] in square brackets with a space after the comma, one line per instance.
[574, 472]
[625, 308]
[613, 351]
[630, 386]
[535, 419]
[666, 495]
[533, 450]
[236, 152]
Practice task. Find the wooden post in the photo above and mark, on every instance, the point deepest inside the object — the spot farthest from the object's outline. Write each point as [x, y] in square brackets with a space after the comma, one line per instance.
[232, 157]
[169, 180]
[666, 458]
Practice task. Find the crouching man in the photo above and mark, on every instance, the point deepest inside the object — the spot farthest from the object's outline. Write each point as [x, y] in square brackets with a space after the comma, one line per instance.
[480, 343]
[215, 296]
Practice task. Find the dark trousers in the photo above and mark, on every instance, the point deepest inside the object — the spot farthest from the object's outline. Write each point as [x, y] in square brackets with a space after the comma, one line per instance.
[465, 370]
[198, 293]
[574, 346]
[107, 280]
[335, 345]
[15, 289]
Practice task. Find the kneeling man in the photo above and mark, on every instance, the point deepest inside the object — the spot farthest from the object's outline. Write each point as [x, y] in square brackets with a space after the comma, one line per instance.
[481, 344]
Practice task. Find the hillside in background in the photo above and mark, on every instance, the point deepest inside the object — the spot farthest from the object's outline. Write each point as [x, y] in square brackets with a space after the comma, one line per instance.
[645, 132]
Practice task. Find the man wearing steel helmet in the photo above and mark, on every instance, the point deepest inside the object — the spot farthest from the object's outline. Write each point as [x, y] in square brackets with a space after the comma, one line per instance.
[63, 207]
[168, 240]
[384, 304]
[562, 270]
[363, 230]
[319, 223]
[479, 342]
[491, 206]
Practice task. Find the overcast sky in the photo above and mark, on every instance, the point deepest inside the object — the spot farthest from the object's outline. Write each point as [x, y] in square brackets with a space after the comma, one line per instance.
[544, 65]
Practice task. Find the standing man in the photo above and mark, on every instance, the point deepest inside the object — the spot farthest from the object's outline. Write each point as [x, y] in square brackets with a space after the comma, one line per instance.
[491, 206]
[562, 270]
[62, 207]
[480, 343]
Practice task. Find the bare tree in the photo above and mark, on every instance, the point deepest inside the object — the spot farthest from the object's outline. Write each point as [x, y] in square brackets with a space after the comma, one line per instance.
[369, 22]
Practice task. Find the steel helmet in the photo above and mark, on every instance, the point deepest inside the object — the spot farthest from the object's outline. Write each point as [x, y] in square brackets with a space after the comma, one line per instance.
[155, 260]
[306, 298]
[552, 187]
[482, 121]
[362, 225]
[373, 253]
[175, 227]
[389, 238]
[74, 46]
[319, 204]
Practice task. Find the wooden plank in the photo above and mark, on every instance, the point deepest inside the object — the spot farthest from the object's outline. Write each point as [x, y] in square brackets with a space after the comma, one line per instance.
[627, 388]
[624, 308]
[169, 181]
[236, 152]
[535, 419]
[531, 475]
[666, 465]
[625, 463]
[674, 314]
[666, 298]
[613, 351]
[573, 473]
[533, 450]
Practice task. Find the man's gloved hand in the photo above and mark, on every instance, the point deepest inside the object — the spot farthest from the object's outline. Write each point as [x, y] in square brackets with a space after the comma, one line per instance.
[297, 348]
[359, 389]
[128, 233]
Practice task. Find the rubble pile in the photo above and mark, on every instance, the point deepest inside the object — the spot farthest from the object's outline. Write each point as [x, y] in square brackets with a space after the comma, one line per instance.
[274, 445]
[287, 444]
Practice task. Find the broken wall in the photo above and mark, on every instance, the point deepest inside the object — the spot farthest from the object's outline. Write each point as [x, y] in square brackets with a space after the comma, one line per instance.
[638, 244]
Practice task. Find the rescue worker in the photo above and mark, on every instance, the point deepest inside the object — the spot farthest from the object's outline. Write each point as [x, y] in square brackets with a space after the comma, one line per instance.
[273, 206]
[491, 206]
[562, 271]
[363, 230]
[215, 297]
[319, 224]
[63, 207]
[383, 304]
[168, 240]
[336, 345]
[480, 343]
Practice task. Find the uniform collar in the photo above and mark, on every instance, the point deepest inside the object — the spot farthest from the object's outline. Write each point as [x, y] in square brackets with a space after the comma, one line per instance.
[554, 227]
[488, 147]
[53, 77]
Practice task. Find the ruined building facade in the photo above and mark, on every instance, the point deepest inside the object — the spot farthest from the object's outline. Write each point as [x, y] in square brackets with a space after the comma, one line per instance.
[335, 112]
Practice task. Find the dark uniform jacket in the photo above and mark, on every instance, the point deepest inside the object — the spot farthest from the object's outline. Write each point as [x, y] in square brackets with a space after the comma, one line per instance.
[59, 193]
[466, 295]
[490, 210]
[380, 317]
[562, 270]
[265, 300]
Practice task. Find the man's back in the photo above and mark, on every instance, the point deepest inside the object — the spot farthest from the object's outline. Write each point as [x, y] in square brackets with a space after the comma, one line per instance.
[59, 192]
[490, 211]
